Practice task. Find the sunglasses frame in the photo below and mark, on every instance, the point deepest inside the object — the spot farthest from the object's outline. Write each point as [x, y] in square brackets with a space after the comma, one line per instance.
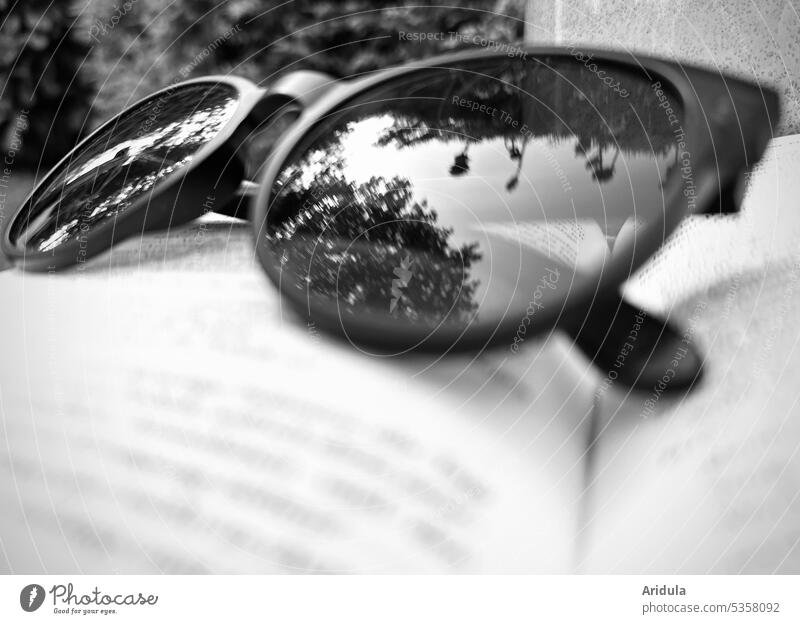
[713, 105]
[173, 201]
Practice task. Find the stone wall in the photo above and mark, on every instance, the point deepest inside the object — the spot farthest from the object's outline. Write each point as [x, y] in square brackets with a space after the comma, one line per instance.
[755, 39]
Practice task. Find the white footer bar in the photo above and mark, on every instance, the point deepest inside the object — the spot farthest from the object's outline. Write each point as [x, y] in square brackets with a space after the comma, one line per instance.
[400, 599]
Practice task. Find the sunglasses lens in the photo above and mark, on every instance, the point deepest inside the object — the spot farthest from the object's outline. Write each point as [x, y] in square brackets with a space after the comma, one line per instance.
[122, 163]
[471, 194]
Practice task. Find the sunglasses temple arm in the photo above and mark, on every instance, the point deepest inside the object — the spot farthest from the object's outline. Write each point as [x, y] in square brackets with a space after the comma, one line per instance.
[636, 349]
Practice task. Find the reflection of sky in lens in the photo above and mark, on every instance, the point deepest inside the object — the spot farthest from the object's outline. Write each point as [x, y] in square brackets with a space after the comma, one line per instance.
[484, 208]
[124, 162]
[490, 169]
[477, 206]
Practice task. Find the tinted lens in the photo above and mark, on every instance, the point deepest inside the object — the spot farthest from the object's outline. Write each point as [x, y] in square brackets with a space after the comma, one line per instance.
[477, 192]
[122, 163]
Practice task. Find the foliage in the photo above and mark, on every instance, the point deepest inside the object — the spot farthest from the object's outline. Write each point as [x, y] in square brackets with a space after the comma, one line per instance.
[40, 54]
[67, 60]
[351, 255]
[154, 44]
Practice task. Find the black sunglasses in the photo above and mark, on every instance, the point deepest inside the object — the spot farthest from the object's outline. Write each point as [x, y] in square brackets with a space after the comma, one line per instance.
[461, 202]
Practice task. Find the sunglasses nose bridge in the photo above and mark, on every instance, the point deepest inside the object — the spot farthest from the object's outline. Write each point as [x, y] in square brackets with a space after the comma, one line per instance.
[298, 89]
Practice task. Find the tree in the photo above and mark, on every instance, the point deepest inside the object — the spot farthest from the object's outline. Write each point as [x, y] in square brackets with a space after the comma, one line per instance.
[76, 63]
[349, 242]
[41, 53]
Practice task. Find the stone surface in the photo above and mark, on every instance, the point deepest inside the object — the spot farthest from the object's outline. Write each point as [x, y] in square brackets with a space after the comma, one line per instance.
[758, 40]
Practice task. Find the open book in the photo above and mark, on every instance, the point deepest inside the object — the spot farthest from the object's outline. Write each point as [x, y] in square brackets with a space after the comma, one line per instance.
[161, 411]
[710, 482]
[578, 244]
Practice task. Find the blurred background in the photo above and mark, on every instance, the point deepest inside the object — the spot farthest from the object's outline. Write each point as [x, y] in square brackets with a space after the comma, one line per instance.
[67, 66]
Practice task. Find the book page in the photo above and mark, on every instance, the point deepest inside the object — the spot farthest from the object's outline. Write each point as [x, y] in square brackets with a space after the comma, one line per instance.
[578, 244]
[709, 482]
[163, 411]
[707, 250]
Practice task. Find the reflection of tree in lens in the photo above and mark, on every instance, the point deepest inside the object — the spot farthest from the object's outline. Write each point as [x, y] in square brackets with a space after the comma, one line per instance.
[122, 163]
[460, 163]
[352, 213]
[521, 100]
[347, 241]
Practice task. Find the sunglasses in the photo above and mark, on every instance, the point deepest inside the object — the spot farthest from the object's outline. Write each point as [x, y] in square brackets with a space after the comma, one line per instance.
[467, 201]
